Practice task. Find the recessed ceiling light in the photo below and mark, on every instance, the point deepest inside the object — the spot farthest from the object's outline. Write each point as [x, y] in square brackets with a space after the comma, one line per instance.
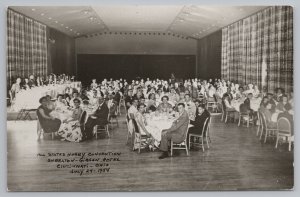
[78, 33]
[91, 18]
[33, 9]
[49, 18]
[67, 27]
[61, 24]
[42, 14]
[56, 21]
[71, 29]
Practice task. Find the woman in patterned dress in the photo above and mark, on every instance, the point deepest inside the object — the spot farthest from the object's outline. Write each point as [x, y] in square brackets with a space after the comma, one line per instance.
[70, 129]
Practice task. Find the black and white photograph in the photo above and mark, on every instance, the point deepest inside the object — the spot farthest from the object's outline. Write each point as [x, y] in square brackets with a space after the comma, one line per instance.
[188, 97]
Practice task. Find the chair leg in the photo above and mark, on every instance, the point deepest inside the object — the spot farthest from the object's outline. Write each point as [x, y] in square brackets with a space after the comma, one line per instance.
[207, 143]
[261, 133]
[171, 148]
[277, 139]
[202, 143]
[107, 131]
[226, 116]
[186, 149]
[266, 135]
[290, 143]
[258, 129]
[248, 121]
[239, 120]
[189, 142]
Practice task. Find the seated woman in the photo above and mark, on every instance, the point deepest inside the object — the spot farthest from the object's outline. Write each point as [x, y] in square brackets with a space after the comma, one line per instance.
[151, 101]
[152, 132]
[60, 103]
[70, 130]
[164, 106]
[198, 124]
[50, 103]
[265, 109]
[48, 123]
[226, 103]
[283, 104]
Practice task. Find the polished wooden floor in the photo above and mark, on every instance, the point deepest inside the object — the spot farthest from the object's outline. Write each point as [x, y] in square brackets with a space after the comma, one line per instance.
[236, 160]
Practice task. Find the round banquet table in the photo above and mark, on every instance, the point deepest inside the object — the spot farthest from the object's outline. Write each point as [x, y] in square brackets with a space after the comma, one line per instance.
[161, 123]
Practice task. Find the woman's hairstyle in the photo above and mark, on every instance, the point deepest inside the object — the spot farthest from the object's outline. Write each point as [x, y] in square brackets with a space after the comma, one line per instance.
[139, 105]
[76, 100]
[60, 95]
[162, 98]
[41, 99]
[149, 96]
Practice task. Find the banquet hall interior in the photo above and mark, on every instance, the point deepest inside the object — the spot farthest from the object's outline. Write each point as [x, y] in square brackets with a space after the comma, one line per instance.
[149, 98]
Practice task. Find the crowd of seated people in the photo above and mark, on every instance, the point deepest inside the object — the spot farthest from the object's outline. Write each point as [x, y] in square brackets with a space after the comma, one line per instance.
[36, 81]
[186, 98]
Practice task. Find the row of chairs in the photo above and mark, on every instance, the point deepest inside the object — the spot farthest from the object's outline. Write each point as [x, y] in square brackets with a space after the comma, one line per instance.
[283, 130]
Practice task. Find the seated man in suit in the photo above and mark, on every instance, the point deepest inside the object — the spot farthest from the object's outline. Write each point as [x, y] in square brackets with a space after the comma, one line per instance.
[177, 132]
[99, 117]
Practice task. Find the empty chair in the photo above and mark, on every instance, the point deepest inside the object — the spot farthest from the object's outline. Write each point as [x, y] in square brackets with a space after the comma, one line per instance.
[284, 130]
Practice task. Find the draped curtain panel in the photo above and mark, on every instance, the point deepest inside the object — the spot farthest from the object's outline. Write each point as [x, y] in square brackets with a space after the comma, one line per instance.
[265, 38]
[26, 47]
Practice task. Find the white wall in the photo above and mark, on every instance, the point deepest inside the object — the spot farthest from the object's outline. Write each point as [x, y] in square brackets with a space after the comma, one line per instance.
[136, 44]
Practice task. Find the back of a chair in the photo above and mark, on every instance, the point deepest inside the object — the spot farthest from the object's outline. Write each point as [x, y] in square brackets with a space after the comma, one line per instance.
[263, 120]
[284, 126]
[207, 130]
[205, 126]
[82, 118]
[136, 128]
[187, 130]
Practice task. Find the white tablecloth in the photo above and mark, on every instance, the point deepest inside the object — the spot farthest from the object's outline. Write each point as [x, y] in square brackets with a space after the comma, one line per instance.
[254, 104]
[29, 99]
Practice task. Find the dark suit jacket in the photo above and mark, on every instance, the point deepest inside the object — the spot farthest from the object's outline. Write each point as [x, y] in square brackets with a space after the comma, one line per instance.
[199, 122]
[101, 113]
[179, 128]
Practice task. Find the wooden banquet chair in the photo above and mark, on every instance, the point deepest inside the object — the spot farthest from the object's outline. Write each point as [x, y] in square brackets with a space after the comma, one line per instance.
[113, 116]
[244, 115]
[225, 113]
[265, 127]
[99, 129]
[121, 103]
[139, 138]
[40, 130]
[182, 145]
[205, 134]
[284, 130]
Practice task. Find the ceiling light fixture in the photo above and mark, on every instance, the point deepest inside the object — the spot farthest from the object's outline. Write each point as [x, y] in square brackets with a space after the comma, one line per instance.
[42, 14]
[49, 18]
[56, 21]
[61, 24]
[33, 9]
[67, 27]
